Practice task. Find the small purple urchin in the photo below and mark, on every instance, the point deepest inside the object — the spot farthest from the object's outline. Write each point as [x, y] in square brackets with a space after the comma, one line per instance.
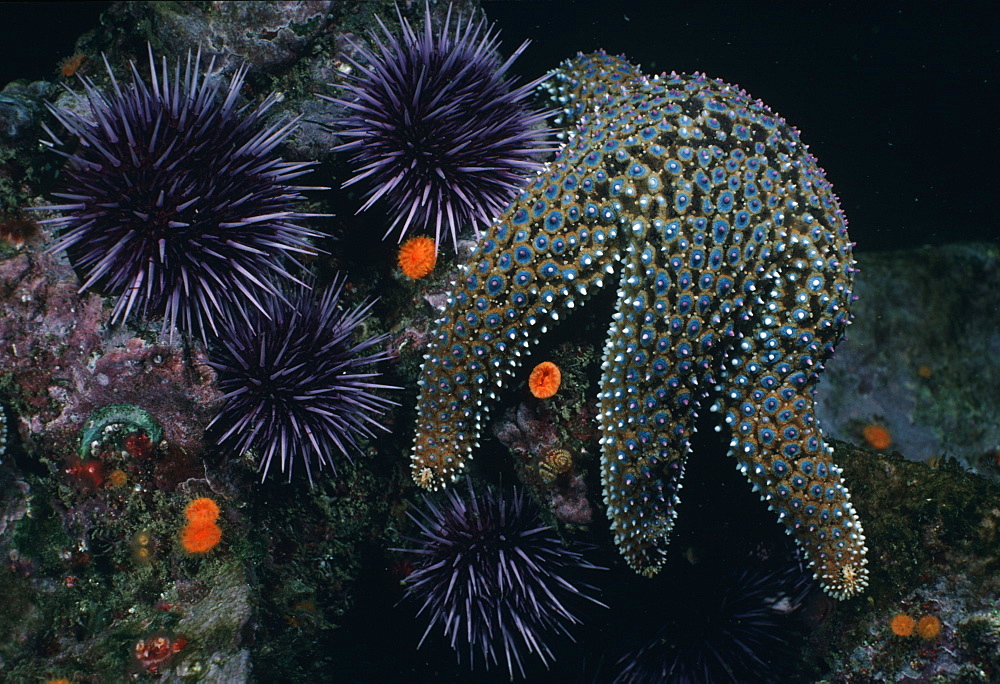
[295, 383]
[741, 625]
[492, 575]
[176, 204]
[435, 128]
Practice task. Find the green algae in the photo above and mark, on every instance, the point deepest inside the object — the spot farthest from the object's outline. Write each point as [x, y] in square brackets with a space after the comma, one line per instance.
[979, 636]
[916, 516]
[3, 434]
[80, 601]
[314, 545]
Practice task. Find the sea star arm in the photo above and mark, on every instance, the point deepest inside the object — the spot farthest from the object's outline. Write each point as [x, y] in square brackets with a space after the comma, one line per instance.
[739, 270]
[647, 400]
[769, 404]
[549, 251]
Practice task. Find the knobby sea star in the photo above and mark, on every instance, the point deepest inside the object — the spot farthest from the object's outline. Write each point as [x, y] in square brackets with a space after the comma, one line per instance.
[734, 271]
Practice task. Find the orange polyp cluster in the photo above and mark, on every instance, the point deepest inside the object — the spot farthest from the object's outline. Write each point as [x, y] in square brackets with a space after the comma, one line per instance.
[544, 380]
[902, 625]
[201, 534]
[927, 628]
[877, 436]
[69, 66]
[417, 257]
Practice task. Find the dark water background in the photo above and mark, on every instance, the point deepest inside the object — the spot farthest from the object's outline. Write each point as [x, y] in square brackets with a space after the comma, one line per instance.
[892, 98]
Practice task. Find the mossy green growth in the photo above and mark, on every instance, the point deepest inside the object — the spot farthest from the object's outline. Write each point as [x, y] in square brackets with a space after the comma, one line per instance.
[979, 637]
[20, 614]
[917, 518]
[316, 539]
[27, 168]
[119, 419]
[80, 599]
[40, 535]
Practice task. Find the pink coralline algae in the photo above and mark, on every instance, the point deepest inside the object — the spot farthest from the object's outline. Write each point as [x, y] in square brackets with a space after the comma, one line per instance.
[546, 467]
[526, 434]
[55, 344]
[569, 502]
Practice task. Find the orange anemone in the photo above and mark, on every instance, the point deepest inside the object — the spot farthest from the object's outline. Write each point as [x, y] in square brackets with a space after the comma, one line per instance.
[902, 625]
[544, 380]
[877, 436]
[202, 510]
[417, 257]
[200, 537]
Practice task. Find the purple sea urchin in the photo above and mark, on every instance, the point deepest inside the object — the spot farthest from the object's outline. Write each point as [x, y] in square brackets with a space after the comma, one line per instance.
[493, 576]
[296, 383]
[737, 626]
[435, 128]
[176, 204]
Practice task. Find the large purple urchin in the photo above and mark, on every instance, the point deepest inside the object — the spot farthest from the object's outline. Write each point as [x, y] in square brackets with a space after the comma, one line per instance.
[176, 203]
[435, 128]
[493, 576]
[298, 386]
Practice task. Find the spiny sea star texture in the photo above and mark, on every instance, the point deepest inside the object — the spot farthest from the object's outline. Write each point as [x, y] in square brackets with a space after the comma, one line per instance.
[734, 271]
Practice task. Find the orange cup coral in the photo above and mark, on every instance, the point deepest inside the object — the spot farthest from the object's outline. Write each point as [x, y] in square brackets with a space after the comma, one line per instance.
[928, 627]
[116, 479]
[201, 534]
[202, 510]
[200, 537]
[417, 257]
[877, 436]
[902, 625]
[544, 380]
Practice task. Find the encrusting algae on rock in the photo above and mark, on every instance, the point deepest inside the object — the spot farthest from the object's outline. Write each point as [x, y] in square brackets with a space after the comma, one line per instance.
[735, 272]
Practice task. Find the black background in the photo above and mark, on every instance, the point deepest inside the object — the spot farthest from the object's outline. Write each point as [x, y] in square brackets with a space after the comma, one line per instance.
[892, 98]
